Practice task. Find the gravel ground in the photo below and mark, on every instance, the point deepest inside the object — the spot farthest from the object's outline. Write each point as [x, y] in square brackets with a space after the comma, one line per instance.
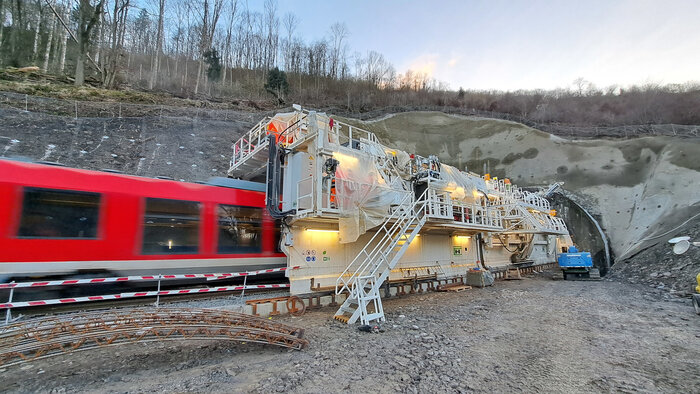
[534, 335]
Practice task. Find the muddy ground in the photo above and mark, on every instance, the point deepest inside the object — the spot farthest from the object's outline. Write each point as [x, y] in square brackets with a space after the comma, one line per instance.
[534, 335]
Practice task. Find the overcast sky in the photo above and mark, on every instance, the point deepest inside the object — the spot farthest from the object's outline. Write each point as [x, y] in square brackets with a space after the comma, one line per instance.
[519, 44]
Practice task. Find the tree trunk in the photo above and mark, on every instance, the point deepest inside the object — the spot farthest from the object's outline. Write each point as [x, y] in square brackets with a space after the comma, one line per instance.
[37, 35]
[199, 75]
[159, 46]
[80, 69]
[100, 36]
[16, 10]
[2, 4]
[64, 42]
[47, 52]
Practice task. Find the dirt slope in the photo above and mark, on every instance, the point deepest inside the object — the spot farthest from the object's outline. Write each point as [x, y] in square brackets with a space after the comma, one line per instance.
[177, 147]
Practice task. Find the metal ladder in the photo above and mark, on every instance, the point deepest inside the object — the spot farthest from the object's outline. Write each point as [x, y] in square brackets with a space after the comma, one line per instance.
[363, 278]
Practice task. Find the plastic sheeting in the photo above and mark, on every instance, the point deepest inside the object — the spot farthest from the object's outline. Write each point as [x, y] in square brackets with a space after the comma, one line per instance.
[460, 185]
[364, 195]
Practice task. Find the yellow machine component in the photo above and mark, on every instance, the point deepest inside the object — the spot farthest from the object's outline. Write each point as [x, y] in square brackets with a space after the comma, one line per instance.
[697, 288]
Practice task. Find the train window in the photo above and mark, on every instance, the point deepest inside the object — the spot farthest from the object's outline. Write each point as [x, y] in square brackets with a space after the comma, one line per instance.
[48, 213]
[240, 229]
[171, 227]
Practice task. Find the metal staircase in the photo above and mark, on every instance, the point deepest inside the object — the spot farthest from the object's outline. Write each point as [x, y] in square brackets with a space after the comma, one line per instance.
[250, 151]
[365, 275]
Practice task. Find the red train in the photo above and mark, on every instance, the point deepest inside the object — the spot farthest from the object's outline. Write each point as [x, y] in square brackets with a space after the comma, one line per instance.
[57, 221]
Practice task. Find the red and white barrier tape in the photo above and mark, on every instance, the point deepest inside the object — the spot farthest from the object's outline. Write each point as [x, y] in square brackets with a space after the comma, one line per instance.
[58, 301]
[141, 278]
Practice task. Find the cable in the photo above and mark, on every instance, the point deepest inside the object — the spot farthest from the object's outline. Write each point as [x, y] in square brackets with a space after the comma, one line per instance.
[672, 230]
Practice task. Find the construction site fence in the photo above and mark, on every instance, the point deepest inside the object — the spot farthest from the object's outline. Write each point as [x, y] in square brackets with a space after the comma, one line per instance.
[116, 109]
[9, 305]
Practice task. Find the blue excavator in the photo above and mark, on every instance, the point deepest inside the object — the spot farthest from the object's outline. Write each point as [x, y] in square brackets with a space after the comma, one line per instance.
[575, 265]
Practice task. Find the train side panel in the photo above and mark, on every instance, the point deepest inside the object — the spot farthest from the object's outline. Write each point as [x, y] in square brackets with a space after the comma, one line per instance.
[117, 243]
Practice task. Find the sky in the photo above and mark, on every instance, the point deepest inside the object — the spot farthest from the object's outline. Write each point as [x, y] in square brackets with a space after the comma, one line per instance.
[518, 44]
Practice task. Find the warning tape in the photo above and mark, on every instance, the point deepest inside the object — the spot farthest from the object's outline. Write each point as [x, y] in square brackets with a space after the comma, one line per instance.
[58, 301]
[141, 278]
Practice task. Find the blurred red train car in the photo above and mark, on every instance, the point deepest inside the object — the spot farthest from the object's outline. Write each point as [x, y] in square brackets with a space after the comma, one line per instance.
[58, 221]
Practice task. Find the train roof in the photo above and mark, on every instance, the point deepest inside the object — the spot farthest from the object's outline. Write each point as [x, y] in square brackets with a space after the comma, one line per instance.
[236, 184]
[57, 175]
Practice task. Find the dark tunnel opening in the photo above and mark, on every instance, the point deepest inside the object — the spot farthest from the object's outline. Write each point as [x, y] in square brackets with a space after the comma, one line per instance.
[586, 232]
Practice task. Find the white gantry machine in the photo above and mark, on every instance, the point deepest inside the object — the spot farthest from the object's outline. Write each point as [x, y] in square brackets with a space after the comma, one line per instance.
[355, 213]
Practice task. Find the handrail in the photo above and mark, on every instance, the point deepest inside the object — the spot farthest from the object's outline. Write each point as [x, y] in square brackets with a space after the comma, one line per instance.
[394, 215]
[402, 221]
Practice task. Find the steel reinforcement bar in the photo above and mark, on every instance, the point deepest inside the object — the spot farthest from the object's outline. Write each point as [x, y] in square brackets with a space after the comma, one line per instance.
[53, 336]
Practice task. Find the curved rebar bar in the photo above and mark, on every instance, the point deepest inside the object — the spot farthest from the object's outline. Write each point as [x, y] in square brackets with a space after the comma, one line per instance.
[56, 335]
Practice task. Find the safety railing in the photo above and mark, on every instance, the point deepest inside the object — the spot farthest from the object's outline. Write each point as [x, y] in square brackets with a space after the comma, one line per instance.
[441, 206]
[254, 140]
[11, 304]
[363, 260]
[535, 201]
[350, 136]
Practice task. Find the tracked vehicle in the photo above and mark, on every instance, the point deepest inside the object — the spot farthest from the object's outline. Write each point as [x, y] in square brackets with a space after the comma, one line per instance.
[575, 265]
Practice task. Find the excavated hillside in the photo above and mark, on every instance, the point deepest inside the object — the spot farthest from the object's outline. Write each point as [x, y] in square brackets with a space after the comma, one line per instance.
[643, 191]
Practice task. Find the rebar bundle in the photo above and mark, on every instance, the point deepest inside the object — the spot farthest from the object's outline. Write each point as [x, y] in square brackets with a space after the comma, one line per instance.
[56, 335]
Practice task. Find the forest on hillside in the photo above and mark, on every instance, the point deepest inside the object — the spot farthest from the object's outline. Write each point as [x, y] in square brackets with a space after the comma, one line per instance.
[222, 49]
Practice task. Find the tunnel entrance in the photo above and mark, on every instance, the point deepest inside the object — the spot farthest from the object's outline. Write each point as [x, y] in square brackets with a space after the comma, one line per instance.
[585, 231]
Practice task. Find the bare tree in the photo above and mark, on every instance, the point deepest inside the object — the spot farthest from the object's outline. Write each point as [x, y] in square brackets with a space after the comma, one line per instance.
[155, 65]
[229, 35]
[64, 40]
[88, 18]
[52, 26]
[37, 30]
[119, 18]
[272, 34]
[290, 23]
[338, 33]
[210, 18]
[2, 19]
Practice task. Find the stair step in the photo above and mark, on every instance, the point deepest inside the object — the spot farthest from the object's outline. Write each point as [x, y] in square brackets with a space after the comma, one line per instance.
[342, 318]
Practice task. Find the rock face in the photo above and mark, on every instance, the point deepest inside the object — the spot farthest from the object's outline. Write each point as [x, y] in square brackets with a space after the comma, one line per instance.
[641, 189]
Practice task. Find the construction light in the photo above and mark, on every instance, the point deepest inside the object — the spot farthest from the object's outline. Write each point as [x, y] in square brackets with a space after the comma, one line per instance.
[462, 236]
[318, 230]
